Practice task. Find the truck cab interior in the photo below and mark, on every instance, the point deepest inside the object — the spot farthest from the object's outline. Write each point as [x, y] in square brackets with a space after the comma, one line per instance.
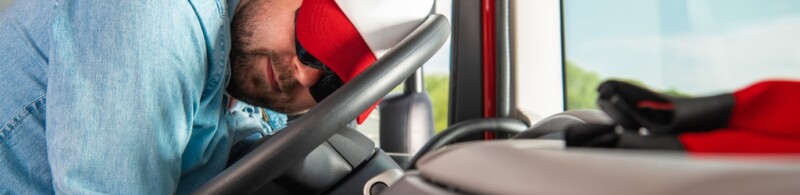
[509, 104]
[517, 75]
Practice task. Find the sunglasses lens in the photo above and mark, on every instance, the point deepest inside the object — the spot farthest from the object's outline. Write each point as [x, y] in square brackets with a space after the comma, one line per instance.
[306, 58]
[327, 83]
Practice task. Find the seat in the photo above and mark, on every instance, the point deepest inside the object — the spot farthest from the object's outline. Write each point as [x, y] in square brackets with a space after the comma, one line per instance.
[553, 127]
[542, 167]
[528, 164]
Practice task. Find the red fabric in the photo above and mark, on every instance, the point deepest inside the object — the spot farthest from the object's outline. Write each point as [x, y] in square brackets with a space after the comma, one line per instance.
[739, 141]
[325, 32]
[654, 105]
[771, 107]
[764, 119]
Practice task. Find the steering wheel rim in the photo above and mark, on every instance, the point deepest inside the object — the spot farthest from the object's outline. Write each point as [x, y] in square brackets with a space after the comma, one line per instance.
[283, 150]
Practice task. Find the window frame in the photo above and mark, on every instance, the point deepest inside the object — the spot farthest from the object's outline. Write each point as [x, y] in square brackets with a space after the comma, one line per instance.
[538, 68]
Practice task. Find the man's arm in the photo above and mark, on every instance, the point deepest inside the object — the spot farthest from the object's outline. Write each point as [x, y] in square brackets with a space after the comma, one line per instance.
[124, 81]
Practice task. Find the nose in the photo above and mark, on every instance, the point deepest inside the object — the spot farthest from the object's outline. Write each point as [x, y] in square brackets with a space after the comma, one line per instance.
[306, 75]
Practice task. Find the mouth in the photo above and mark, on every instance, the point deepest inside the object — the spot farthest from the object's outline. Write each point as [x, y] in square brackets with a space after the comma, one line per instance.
[269, 74]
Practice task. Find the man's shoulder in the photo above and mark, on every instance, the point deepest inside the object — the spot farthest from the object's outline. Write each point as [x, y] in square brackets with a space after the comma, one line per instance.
[134, 12]
[129, 26]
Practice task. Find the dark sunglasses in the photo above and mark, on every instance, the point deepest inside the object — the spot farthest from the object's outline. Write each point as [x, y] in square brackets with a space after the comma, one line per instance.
[327, 83]
[307, 59]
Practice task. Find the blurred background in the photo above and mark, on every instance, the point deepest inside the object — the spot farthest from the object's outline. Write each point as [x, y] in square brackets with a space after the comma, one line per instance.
[4, 4]
[680, 47]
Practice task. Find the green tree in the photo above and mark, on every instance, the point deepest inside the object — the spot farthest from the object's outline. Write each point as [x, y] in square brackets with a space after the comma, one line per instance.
[581, 87]
[438, 88]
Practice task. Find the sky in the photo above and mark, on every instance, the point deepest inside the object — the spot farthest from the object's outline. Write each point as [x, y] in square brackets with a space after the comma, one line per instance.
[440, 62]
[695, 46]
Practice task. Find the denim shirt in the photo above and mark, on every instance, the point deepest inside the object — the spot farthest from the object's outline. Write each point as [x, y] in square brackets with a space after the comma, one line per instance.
[114, 97]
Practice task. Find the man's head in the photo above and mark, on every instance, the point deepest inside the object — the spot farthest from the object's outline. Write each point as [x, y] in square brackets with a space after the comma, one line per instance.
[345, 35]
[264, 66]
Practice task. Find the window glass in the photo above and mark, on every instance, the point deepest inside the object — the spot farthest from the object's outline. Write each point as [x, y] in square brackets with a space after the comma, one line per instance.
[436, 73]
[681, 47]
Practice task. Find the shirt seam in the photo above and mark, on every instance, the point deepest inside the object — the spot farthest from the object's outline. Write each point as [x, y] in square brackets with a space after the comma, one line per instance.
[19, 116]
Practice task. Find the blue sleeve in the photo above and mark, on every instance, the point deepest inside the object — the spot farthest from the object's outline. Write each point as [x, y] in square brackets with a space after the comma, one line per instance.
[246, 119]
[124, 80]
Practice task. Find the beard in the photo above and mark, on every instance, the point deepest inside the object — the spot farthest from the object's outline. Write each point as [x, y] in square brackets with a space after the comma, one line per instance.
[249, 84]
[248, 81]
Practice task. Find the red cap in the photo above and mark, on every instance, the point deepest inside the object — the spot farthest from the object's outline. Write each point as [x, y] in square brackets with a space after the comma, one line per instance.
[326, 32]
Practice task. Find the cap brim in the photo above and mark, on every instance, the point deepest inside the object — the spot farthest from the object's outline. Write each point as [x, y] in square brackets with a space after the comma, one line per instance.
[326, 33]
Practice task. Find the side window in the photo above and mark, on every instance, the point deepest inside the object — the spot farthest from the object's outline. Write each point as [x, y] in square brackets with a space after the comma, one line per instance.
[436, 74]
[679, 47]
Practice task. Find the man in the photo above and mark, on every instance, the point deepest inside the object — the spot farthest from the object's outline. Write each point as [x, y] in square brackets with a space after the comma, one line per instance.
[128, 97]
[263, 60]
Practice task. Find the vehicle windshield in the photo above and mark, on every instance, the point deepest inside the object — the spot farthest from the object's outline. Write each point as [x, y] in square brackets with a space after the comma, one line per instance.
[681, 47]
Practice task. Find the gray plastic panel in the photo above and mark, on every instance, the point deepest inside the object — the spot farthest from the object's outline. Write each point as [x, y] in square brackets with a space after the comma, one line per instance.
[529, 167]
[458, 131]
[354, 183]
[504, 68]
[465, 70]
[412, 183]
[321, 169]
[406, 122]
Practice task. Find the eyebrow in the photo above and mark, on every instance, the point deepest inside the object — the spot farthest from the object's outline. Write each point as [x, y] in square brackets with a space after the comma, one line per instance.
[259, 51]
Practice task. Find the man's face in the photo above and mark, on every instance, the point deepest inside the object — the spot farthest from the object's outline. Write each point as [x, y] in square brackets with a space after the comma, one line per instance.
[265, 70]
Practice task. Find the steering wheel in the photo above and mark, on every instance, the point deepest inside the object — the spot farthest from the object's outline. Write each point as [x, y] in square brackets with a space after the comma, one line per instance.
[280, 152]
